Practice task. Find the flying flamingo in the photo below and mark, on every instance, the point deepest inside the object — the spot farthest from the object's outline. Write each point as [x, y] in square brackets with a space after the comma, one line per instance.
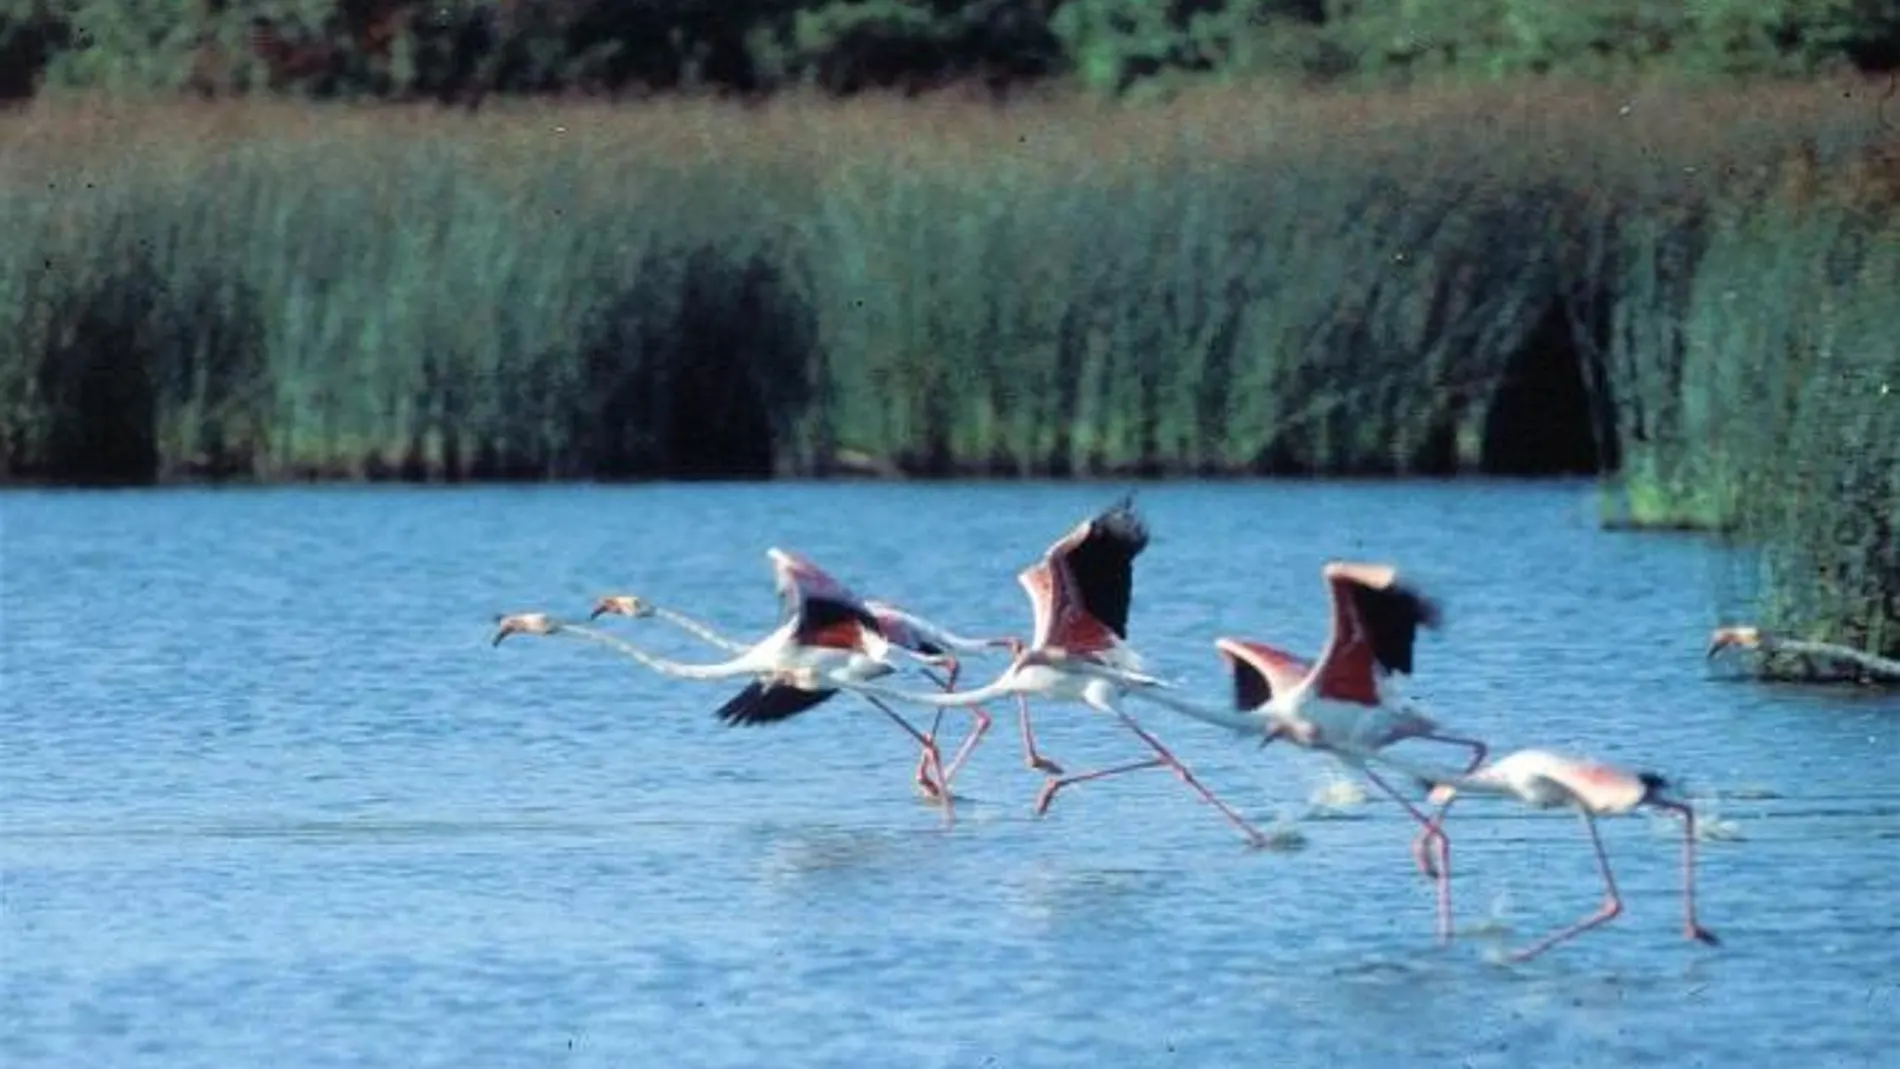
[1080, 592]
[1347, 703]
[1753, 638]
[829, 639]
[1547, 780]
[924, 640]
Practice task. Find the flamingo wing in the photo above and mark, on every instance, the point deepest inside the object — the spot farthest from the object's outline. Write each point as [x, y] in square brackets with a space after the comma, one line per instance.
[904, 629]
[768, 703]
[1098, 559]
[1260, 671]
[1375, 624]
[1082, 587]
[1039, 582]
[826, 611]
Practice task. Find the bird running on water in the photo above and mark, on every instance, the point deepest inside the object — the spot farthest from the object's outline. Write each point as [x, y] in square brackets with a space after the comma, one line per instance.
[1348, 702]
[1080, 593]
[829, 639]
[928, 642]
[1545, 779]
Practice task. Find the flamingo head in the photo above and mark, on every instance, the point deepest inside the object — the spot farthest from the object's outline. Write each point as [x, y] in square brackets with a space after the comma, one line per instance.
[524, 623]
[1721, 638]
[628, 605]
[1014, 645]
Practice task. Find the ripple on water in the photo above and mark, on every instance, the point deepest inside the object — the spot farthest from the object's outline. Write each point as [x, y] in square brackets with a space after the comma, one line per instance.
[332, 825]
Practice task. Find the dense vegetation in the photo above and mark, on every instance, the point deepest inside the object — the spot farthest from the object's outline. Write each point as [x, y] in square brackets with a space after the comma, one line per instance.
[1500, 281]
[1688, 288]
[463, 49]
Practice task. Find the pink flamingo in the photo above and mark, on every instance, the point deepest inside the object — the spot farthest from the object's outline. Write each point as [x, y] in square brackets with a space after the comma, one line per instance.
[1080, 592]
[1347, 703]
[1547, 780]
[926, 641]
[828, 640]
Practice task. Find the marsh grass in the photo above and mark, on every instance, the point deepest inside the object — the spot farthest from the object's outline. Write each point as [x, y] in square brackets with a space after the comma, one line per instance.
[1691, 288]
[1232, 282]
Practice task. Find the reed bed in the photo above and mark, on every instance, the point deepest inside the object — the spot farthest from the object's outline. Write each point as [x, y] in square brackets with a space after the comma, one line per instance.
[1689, 290]
[1233, 282]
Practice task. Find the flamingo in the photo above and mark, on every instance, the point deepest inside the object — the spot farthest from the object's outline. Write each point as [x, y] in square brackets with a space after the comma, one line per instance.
[828, 639]
[1753, 638]
[1080, 593]
[1548, 780]
[926, 641]
[1347, 703]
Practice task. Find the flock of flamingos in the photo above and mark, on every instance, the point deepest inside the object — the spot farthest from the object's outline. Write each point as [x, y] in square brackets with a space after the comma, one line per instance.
[1347, 703]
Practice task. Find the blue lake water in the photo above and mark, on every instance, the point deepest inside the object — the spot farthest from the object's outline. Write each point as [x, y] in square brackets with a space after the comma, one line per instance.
[269, 797]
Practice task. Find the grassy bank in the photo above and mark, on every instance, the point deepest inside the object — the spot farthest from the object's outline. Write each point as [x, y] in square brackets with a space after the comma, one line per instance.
[1693, 290]
[1230, 283]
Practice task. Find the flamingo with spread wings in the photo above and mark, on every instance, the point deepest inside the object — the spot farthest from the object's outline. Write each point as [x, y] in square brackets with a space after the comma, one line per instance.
[829, 639]
[1346, 703]
[926, 641]
[1080, 593]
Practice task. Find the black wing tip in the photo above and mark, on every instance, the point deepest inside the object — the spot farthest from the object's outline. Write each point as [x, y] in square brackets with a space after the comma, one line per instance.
[1251, 689]
[1121, 522]
[762, 703]
[825, 610]
[1654, 782]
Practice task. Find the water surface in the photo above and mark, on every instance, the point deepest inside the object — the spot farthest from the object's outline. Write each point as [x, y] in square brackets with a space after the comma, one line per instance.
[268, 797]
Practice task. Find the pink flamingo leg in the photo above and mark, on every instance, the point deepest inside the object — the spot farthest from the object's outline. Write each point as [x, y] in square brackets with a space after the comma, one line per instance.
[1049, 789]
[932, 755]
[937, 789]
[1435, 828]
[1690, 928]
[1035, 760]
[1432, 833]
[924, 782]
[1612, 902]
[978, 729]
[1254, 837]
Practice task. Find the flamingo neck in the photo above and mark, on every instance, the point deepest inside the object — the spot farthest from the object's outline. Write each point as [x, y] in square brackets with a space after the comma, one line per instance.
[1234, 720]
[722, 670]
[698, 629]
[1004, 684]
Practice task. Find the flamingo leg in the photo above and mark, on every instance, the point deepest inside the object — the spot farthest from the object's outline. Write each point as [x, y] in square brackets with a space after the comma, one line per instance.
[1253, 834]
[931, 753]
[924, 781]
[1056, 783]
[1690, 928]
[1612, 902]
[940, 787]
[1479, 751]
[1034, 759]
[1432, 833]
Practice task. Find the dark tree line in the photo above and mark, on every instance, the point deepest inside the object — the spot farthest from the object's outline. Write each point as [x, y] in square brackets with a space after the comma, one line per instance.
[462, 50]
